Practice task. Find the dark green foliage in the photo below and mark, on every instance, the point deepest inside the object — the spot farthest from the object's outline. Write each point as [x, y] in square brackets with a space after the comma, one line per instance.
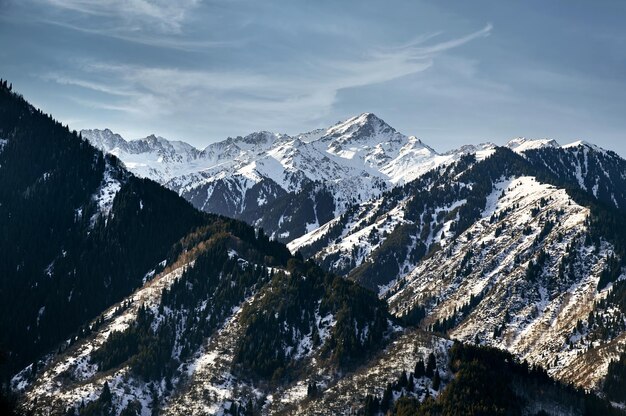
[312, 391]
[287, 310]
[132, 409]
[385, 262]
[535, 267]
[436, 189]
[61, 263]
[481, 384]
[387, 400]
[436, 381]
[7, 400]
[431, 365]
[420, 369]
[49, 291]
[406, 406]
[403, 386]
[8, 403]
[444, 325]
[488, 381]
[100, 407]
[120, 345]
[598, 169]
[353, 306]
[216, 279]
[414, 315]
[615, 382]
[372, 406]
[428, 193]
[610, 273]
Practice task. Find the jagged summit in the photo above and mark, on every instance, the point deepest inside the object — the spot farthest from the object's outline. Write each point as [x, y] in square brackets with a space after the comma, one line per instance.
[473, 148]
[522, 144]
[107, 140]
[364, 120]
[261, 137]
[104, 138]
[365, 129]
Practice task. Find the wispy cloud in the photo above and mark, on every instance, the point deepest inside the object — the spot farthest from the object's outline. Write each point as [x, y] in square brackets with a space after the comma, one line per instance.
[165, 15]
[159, 40]
[300, 92]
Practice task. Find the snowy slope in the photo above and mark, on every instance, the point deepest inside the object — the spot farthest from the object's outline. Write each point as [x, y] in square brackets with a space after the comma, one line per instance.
[475, 281]
[192, 322]
[346, 241]
[472, 283]
[602, 173]
[530, 318]
[70, 378]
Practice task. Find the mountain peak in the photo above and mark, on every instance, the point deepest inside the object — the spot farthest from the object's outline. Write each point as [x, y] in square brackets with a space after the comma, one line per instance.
[261, 137]
[359, 121]
[366, 129]
[583, 143]
[105, 140]
[522, 144]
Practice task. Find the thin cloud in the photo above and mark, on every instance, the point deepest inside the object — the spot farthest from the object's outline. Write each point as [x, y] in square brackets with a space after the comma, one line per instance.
[167, 15]
[298, 93]
[91, 85]
[168, 41]
[454, 43]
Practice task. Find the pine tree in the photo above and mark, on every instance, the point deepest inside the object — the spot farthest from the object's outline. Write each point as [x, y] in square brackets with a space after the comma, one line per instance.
[431, 365]
[411, 385]
[436, 381]
[420, 370]
[105, 395]
[387, 400]
[312, 390]
[403, 381]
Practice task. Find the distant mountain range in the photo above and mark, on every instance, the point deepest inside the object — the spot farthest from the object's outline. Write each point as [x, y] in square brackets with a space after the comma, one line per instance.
[292, 185]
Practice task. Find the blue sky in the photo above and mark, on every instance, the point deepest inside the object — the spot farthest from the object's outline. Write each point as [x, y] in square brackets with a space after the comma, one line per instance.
[449, 72]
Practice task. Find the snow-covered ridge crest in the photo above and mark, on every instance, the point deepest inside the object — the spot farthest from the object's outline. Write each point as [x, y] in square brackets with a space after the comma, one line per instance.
[583, 144]
[522, 144]
[348, 163]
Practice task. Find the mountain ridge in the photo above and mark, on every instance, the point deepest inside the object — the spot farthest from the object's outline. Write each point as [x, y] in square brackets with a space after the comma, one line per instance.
[353, 161]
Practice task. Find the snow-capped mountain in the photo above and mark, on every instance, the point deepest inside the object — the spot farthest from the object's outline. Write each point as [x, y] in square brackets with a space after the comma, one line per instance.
[152, 157]
[255, 177]
[487, 297]
[292, 185]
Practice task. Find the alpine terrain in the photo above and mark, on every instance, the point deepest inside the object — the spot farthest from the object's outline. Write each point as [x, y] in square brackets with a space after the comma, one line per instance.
[348, 270]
